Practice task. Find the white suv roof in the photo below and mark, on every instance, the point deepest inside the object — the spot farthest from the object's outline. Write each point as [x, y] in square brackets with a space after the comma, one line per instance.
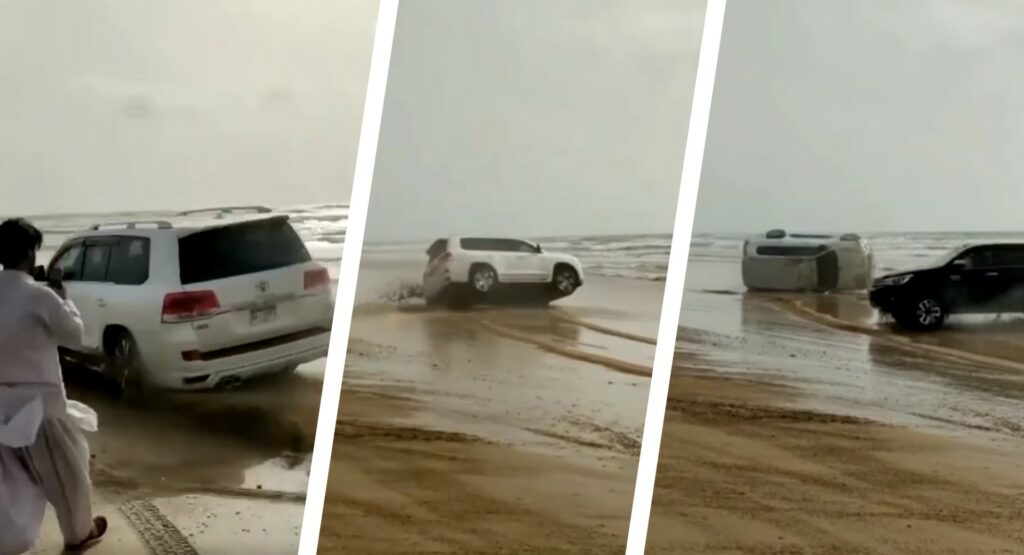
[485, 236]
[192, 223]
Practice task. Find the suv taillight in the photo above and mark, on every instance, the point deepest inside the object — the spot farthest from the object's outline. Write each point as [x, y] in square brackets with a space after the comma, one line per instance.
[317, 278]
[446, 257]
[184, 306]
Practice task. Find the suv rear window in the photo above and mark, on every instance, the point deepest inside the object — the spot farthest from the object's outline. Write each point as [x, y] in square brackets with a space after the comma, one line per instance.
[239, 249]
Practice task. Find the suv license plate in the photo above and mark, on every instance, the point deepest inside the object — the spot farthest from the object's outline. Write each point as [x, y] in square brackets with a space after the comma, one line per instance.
[263, 315]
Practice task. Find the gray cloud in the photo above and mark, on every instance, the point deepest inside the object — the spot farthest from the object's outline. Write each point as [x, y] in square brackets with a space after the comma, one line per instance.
[534, 118]
[882, 115]
[142, 104]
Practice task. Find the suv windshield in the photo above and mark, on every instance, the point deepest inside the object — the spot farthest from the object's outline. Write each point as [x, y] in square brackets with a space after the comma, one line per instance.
[240, 249]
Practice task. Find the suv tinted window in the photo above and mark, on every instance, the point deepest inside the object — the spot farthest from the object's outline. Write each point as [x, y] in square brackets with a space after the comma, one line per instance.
[1009, 255]
[496, 245]
[70, 262]
[521, 246]
[980, 257]
[94, 267]
[239, 249]
[477, 244]
[772, 250]
[129, 261]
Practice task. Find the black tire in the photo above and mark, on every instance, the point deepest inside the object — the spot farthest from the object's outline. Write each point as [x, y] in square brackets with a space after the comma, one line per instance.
[483, 279]
[565, 280]
[124, 366]
[927, 313]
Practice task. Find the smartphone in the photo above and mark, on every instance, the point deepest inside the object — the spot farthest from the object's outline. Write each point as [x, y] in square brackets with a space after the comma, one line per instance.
[39, 273]
[55, 279]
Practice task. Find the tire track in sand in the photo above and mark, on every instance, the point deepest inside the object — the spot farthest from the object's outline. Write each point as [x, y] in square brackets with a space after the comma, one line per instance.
[159, 534]
[802, 311]
[553, 347]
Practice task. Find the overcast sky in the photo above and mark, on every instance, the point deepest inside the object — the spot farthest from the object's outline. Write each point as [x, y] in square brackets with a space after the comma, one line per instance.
[146, 104]
[535, 118]
[867, 116]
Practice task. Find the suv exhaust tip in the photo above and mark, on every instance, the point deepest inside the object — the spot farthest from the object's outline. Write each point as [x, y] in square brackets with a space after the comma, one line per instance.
[229, 382]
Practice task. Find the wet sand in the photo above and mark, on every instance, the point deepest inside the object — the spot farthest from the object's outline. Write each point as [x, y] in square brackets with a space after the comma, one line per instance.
[201, 472]
[802, 424]
[490, 430]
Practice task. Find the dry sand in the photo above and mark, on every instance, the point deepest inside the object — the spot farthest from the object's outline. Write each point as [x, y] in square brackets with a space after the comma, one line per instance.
[742, 474]
[398, 488]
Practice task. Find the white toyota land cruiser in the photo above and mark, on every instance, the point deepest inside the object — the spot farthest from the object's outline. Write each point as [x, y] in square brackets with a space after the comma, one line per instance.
[467, 269]
[196, 307]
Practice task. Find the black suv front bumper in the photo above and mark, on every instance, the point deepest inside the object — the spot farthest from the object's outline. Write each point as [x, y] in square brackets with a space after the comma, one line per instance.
[885, 299]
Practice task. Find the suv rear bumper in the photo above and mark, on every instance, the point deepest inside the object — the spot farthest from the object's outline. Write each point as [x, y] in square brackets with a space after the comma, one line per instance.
[229, 366]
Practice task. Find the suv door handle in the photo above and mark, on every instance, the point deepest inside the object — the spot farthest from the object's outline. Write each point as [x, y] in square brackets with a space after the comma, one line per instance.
[991, 274]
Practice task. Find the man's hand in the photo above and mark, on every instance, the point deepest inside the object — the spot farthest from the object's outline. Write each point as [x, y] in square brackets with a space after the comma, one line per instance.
[55, 279]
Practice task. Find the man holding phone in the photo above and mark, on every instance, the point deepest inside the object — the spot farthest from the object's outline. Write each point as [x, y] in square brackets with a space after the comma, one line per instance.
[39, 439]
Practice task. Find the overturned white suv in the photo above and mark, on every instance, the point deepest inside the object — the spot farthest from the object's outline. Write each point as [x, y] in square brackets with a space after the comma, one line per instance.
[196, 307]
[465, 270]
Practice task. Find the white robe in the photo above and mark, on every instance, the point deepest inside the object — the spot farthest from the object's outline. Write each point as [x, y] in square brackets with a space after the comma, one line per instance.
[34, 321]
[22, 500]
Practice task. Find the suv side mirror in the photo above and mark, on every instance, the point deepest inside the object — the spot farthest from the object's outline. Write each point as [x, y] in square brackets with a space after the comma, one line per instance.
[537, 249]
[959, 264]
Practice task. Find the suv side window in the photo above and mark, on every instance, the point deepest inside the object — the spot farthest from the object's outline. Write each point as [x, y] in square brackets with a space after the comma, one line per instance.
[790, 250]
[522, 246]
[129, 261]
[97, 258]
[1009, 256]
[70, 262]
[479, 244]
[981, 257]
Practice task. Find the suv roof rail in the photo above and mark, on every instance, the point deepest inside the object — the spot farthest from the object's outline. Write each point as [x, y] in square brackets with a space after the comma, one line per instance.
[159, 224]
[227, 210]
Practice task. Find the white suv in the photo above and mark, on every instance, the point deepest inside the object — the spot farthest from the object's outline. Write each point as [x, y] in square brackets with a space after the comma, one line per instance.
[197, 307]
[466, 269]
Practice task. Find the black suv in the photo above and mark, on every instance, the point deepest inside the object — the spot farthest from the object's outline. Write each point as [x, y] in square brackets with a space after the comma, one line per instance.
[976, 279]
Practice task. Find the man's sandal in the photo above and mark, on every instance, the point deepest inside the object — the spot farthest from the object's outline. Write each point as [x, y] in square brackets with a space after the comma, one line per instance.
[99, 527]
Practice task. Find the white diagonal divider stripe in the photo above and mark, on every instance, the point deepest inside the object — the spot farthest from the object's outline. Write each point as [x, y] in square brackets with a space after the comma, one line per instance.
[665, 350]
[366, 156]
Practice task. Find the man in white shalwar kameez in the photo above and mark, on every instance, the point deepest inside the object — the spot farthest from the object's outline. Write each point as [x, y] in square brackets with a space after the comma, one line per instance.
[44, 456]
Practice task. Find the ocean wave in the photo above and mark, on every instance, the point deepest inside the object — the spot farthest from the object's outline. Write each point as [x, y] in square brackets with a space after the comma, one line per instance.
[321, 227]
